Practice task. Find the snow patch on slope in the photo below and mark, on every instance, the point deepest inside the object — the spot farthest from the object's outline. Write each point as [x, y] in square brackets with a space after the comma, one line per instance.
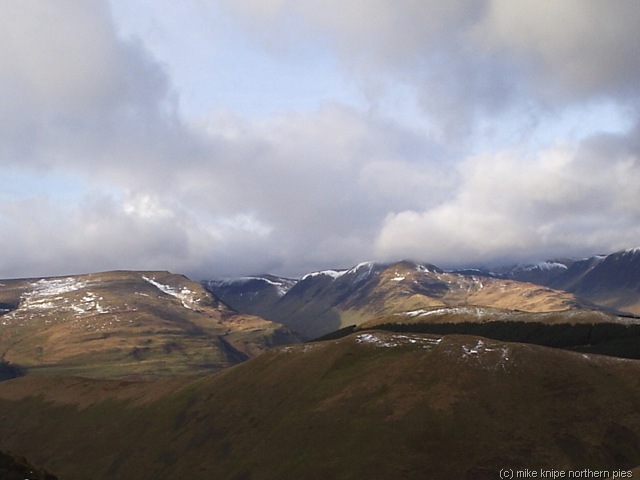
[478, 312]
[47, 293]
[390, 340]
[186, 296]
[48, 287]
[54, 294]
[484, 354]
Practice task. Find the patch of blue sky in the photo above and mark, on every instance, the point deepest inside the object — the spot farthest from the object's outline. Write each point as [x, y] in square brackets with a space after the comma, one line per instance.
[215, 66]
[63, 189]
[535, 129]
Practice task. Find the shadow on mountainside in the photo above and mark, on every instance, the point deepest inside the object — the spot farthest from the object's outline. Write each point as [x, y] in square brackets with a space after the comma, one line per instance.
[9, 371]
[13, 467]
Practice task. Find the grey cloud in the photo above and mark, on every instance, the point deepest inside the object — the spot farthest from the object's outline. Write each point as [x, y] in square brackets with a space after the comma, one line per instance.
[71, 85]
[469, 59]
[318, 183]
[305, 190]
[50, 239]
[571, 50]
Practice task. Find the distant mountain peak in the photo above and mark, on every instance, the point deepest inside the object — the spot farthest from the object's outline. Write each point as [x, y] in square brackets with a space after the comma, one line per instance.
[328, 273]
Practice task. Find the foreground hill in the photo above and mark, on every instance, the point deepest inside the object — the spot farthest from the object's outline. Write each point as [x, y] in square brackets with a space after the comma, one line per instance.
[13, 467]
[326, 301]
[124, 323]
[372, 405]
[612, 281]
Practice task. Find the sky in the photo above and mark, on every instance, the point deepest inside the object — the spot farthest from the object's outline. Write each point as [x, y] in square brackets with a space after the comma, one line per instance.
[220, 138]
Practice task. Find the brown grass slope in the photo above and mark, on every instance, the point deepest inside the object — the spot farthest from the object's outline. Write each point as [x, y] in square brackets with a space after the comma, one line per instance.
[372, 405]
[125, 323]
[475, 314]
[322, 303]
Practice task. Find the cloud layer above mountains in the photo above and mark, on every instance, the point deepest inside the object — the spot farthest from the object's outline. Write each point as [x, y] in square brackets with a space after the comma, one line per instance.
[220, 137]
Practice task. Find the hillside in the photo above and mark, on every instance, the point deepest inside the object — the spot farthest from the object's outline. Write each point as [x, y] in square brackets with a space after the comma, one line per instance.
[119, 324]
[255, 294]
[582, 330]
[611, 281]
[13, 467]
[326, 301]
[372, 405]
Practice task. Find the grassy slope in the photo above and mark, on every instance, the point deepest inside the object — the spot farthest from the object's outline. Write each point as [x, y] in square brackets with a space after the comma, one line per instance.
[117, 324]
[319, 306]
[348, 409]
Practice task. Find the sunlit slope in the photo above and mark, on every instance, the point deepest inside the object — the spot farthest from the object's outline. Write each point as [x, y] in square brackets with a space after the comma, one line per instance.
[372, 405]
[323, 302]
[125, 323]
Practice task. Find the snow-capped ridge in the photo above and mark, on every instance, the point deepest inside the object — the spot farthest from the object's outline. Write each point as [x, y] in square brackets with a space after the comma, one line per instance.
[545, 265]
[329, 273]
[363, 271]
[283, 285]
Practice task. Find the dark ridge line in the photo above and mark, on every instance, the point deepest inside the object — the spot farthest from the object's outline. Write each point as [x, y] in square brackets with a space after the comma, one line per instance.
[612, 339]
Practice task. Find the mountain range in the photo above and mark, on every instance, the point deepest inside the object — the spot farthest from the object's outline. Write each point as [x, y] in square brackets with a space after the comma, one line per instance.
[413, 372]
[611, 281]
[324, 301]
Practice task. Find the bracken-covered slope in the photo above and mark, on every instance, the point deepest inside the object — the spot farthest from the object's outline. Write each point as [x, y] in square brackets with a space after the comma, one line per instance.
[125, 323]
[326, 301]
[372, 405]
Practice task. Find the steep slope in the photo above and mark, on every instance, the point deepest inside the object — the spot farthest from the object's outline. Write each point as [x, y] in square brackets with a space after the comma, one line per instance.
[541, 273]
[611, 281]
[372, 405]
[13, 467]
[326, 301]
[253, 295]
[125, 323]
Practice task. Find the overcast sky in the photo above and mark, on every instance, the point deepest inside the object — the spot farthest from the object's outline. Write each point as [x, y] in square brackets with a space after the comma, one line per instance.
[230, 137]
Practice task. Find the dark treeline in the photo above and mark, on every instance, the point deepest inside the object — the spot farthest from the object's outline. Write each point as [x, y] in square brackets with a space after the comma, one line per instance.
[603, 338]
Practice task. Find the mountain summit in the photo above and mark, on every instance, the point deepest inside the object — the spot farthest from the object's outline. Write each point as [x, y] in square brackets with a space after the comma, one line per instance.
[325, 301]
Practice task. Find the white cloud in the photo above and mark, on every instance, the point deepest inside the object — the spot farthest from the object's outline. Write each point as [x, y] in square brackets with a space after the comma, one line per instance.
[467, 59]
[513, 206]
